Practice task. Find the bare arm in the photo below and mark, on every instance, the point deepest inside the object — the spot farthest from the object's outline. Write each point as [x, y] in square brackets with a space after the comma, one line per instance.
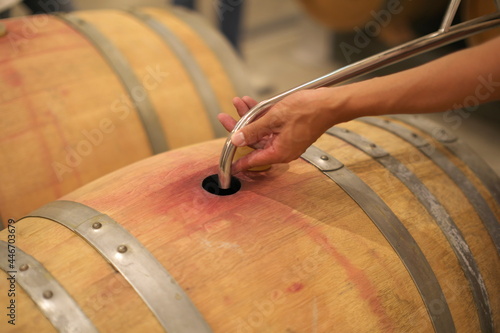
[436, 86]
[293, 124]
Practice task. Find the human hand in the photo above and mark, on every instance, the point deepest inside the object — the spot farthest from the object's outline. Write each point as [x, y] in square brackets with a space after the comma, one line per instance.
[285, 131]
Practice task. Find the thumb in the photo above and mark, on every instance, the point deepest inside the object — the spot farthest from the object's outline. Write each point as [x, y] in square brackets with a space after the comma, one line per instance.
[254, 132]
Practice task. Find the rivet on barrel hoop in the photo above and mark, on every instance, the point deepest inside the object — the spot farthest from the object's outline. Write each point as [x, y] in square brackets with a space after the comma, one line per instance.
[96, 225]
[24, 267]
[122, 248]
[47, 294]
[324, 158]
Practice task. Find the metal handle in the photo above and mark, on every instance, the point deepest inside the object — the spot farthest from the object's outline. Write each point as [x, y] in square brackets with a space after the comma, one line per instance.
[445, 35]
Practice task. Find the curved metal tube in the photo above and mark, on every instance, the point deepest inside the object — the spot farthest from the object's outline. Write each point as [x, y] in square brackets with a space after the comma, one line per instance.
[407, 50]
[449, 16]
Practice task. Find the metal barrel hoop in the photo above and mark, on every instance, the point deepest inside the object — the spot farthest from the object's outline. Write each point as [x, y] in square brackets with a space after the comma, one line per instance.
[166, 299]
[392, 229]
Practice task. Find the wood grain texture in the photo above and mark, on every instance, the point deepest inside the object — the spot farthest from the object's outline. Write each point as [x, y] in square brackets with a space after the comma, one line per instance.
[290, 252]
[66, 116]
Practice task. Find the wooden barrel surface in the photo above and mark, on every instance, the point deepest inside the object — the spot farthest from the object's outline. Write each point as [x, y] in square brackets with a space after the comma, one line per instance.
[379, 228]
[84, 94]
[476, 8]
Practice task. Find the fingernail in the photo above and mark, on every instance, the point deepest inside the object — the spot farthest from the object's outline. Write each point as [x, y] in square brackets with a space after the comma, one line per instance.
[238, 139]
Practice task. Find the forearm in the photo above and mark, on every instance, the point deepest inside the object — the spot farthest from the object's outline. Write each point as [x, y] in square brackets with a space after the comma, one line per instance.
[460, 79]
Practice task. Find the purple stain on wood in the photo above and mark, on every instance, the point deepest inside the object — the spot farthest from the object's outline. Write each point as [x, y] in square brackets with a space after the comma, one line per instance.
[296, 287]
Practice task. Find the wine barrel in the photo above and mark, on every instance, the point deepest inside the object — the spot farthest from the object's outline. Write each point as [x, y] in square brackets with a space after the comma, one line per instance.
[341, 14]
[392, 21]
[477, 8]
[379, 227]
[84, 94]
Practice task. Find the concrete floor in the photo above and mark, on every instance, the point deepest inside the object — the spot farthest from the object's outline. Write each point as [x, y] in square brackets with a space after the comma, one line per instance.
[283, 47]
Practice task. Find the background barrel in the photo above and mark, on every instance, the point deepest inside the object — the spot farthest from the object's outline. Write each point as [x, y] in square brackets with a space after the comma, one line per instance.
[341, 14]
[84, 94]
[477, 8]
[307, 246]
[391, 22]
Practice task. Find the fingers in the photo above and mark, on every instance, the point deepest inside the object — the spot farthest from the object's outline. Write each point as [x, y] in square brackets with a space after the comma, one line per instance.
[253, 132]
[255, 159]
[244, 104]
[267, 156]
[227, 121]
[249, 101]
[269, 124]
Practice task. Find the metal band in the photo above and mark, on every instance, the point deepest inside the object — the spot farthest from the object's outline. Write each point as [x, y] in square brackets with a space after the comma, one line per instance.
[358, 141]
[397, 236]
[438, 132]
[232, 64]
[482, 170]
[50, 297]
[120, 65]
[400, 131]
[166, 299]
[323, 162]
[195, 72]
[442, 218]
[469, 190]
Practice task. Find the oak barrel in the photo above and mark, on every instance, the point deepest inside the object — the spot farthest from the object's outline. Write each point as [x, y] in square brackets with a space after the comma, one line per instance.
[341, 14]
[393, 21]
[385, 225]
[476, 8]
[84, 94]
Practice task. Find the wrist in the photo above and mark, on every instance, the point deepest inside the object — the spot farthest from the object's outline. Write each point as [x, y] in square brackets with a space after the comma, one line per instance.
[345, 103]
[365, 98]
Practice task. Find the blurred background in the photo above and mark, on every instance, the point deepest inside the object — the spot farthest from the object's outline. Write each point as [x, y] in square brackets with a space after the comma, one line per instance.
[284, 45]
